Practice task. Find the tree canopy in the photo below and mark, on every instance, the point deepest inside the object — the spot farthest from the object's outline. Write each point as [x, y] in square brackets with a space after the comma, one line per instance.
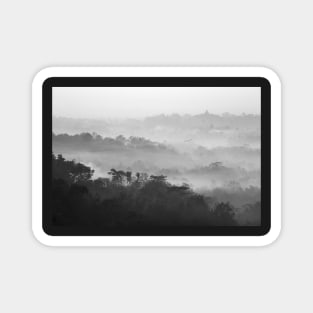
[128, 199]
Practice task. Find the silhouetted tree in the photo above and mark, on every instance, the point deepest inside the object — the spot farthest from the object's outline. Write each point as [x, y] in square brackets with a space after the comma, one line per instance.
[224, 214]
[120, 201]
[70, 171]
[158, 178]
[129, 177]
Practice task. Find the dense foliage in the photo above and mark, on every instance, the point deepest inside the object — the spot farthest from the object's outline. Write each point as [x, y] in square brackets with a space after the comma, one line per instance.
[128, 199]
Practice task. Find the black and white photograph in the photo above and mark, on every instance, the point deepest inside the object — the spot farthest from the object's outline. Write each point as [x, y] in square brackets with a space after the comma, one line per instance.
[156, 156]
[149, 157]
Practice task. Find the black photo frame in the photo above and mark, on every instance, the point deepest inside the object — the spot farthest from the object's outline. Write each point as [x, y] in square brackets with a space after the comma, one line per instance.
[53, 230]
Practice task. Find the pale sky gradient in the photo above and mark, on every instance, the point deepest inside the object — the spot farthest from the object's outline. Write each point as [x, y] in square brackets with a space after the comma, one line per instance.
[140, 102]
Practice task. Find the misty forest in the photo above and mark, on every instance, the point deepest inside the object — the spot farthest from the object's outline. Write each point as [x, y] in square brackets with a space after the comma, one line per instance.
[163, 170]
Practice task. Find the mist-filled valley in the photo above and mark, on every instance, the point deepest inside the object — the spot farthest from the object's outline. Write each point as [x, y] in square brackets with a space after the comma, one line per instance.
[208, 130]
[216, 156]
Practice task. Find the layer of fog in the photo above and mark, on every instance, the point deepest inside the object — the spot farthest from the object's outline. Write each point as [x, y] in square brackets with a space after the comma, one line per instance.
[218, 156]
[205, 129]
[199, 167]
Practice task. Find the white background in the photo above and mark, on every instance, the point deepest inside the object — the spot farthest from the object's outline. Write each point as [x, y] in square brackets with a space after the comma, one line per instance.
[37, 34]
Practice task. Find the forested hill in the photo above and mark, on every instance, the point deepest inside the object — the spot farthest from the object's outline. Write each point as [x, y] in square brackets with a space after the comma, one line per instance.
[129, 199]
[203, 121]
[96, 143]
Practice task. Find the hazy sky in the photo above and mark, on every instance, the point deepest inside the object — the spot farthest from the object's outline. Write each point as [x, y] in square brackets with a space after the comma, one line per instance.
[139, 102]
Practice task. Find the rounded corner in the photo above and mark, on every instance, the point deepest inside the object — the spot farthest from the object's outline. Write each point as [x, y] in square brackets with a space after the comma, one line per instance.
[42, 76]
[42, 236]
[271, 236]
[270, 75]
[48, 82]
